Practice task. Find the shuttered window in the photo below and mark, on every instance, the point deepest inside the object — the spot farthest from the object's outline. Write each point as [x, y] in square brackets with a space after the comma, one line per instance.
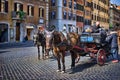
[30, 10]
[41, 12]
[6, 6]
[0, 5]
[18, 7]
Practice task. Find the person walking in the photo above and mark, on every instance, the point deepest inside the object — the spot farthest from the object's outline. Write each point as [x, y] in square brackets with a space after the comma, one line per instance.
[112, 40]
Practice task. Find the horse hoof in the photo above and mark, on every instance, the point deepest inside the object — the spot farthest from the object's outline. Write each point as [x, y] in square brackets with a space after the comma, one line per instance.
[58, 70]
[62, 72]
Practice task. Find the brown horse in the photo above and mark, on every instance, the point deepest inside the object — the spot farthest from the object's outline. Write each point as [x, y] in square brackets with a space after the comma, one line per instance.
[39, 40]
[61, 45]
[59, 48]
[74, 40]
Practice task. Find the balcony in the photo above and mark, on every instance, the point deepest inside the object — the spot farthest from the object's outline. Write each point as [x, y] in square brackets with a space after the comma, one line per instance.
[19, 15]
[3, 16]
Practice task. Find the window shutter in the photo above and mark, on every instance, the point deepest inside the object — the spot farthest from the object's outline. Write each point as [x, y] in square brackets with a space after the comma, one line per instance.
[21, 7]
[42, 12]
[32, 11]
[39, 12]
[6, 6]
[28, 10]
[15, 6]
[0, 5]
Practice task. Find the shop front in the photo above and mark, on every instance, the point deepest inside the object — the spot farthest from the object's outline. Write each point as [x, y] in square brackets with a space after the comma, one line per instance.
[30, 32]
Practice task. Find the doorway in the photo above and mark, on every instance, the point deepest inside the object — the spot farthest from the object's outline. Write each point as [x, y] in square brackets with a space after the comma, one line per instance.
[3, 32]
[17, 31]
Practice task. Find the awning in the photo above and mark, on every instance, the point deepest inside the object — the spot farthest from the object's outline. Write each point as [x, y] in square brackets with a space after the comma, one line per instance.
[30, 27]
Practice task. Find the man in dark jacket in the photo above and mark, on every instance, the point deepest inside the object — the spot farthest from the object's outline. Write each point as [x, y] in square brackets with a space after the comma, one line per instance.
[112, 40]
[96, 28]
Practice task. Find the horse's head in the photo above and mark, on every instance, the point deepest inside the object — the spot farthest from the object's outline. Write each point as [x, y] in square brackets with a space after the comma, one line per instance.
[48, 37]
[56, 37]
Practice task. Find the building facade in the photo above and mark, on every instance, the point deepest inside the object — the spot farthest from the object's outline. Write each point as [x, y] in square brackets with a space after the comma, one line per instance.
[80, 15]
[20, 18]
[87, 12]
[62, 14]
[114, 15]
[100, 12]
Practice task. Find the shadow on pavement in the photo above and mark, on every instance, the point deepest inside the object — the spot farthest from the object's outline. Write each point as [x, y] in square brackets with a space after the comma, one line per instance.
[81, 67]
[16, 45]
[4, 52]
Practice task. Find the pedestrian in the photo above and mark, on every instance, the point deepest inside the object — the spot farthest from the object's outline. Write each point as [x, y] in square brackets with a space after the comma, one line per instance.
[112, 40]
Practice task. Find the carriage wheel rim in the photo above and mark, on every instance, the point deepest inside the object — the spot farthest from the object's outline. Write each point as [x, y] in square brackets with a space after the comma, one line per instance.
[101, 57]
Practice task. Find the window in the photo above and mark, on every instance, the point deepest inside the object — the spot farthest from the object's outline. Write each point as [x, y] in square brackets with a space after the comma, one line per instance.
[52, 2]
[87, 22]
[18, 7]
[64, 15]
[80, 7]
[30, 10]
[75, 6]
[64, 3]
[53, 15]
[87, 13]
[79, 19]
[74, 16]
[70, 16]
[70, 4]
[41, 12]
[3, 6]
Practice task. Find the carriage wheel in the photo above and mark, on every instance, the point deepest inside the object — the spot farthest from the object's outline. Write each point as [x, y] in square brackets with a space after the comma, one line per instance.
[101, 57]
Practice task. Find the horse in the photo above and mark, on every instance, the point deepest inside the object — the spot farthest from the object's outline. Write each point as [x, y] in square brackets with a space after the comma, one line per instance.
[60, 47]
[74, 40]
[39, 40]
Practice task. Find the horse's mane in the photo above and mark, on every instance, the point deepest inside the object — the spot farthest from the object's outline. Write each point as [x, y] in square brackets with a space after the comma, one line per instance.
[56, 37]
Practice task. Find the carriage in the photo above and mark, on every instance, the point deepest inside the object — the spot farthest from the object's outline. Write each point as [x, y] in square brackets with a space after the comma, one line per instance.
[93, 43]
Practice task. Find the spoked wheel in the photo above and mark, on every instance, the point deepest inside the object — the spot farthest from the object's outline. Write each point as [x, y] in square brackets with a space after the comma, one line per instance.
[101, 57]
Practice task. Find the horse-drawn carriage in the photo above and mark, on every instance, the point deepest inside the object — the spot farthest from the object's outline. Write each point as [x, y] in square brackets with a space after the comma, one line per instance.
[93, 43]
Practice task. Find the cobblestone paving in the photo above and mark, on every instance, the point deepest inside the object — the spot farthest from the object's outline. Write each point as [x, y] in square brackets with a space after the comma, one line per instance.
[21, 63]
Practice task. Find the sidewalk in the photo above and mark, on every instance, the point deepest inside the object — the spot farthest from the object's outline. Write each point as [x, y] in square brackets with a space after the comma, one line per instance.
[15, 44]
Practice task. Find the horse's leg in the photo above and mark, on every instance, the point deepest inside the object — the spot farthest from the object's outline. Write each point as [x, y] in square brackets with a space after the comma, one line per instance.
[47, 53]
[59, 65]
[63, 61]
[73, 57]
[38, 51]
[78, 58]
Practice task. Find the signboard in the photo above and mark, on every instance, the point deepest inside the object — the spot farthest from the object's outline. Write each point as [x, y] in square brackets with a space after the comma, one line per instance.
[31, 27]
[41, 21]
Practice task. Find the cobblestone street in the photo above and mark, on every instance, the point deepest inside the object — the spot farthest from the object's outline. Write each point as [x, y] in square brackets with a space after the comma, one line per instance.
[18, 61]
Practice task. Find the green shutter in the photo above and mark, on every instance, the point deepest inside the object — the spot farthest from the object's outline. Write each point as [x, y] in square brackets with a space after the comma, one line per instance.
[15, 6]
[32, 11]
[28, 10]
